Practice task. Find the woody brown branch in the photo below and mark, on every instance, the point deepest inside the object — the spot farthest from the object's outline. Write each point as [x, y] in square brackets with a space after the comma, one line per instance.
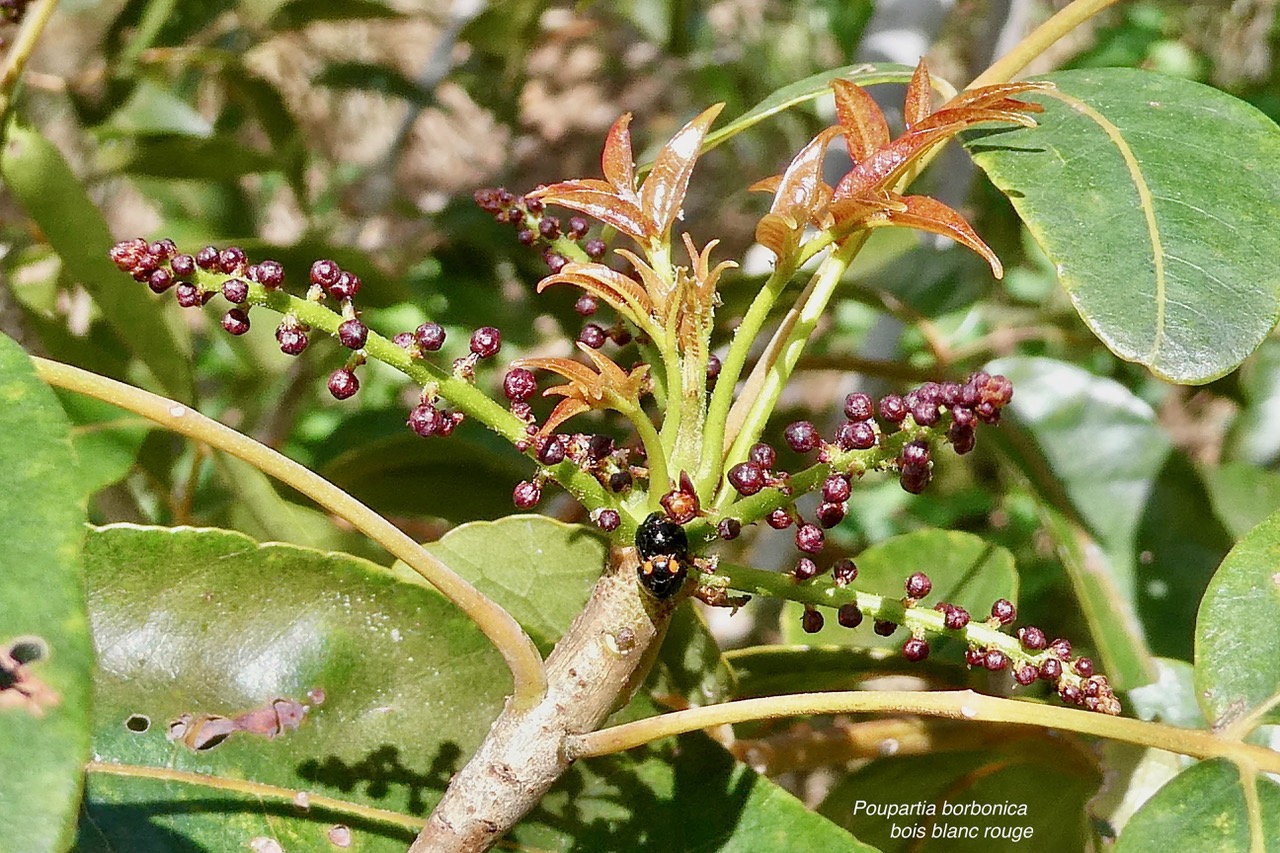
[593, 670]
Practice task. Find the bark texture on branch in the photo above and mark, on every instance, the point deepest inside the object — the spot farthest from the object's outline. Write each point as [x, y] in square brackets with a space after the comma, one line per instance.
[594, 669]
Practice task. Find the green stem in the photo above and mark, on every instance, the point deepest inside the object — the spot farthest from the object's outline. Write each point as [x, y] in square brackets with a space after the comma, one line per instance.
[731, 371]
[854, 463]
[953, 704]
[466, 397]
[496, 624]
[24, 43]
[659, 477]
[1038, 41]
[771, 373]
[260, 790]
[822, 592]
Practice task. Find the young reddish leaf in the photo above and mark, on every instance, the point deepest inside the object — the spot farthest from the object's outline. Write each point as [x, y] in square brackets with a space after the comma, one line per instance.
[576, 372]
[777, 234]
[989, 96]
[623, 293]
[617, 160]
[659, 289]
[705, 276]
[600, 200]
[800, 189]
[565, 409]
[766, 185]
[919, 100]
[610, 388]
[860, 117]
[957, 120]
[663, 190]
[877, 204]
[928, 214]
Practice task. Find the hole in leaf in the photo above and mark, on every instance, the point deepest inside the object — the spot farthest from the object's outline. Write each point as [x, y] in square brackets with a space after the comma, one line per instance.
[138, 723]
[27, 650]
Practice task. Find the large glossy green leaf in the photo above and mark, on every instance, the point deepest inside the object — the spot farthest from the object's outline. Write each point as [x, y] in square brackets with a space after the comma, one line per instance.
[1237, 645]
[964, 568]
[1092, 452]
[40, 180]
[539, 569]
[209, 622]
[1155, 198]
[1206, 807]
[44, 706]
[1042, 784]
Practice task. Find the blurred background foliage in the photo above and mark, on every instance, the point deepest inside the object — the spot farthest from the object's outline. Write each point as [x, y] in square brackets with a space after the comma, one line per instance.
[358, 130]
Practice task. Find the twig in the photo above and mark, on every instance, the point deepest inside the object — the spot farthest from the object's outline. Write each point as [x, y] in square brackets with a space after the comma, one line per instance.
[952, 704]
[33, 24]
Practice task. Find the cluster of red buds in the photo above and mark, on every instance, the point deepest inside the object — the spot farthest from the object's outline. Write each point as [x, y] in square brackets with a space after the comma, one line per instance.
[597, 454]
[1034, 658]
[539, 230]
[227, 272]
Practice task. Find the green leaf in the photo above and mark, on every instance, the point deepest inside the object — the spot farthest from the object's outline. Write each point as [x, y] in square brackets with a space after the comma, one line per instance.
[1207, 807]
[1171, 698]
[44, 185]
[1155, 198]
[299, 13]
[540, 570]
[44, 704]
[404, 474]
[1237, 645]
[1066, 425]
[218, 158]
[209, 622]
[1243, 495]
[965, 570]
[256, 508]
[802, 91]
[367, 76]
[777, 670]
[106, 441]
[1253, 436]
[1047, 780]
[152, 110]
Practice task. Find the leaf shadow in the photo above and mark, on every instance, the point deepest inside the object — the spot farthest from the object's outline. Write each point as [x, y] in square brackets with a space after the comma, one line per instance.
[976, 141]
[381, 771]
[642, 802]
